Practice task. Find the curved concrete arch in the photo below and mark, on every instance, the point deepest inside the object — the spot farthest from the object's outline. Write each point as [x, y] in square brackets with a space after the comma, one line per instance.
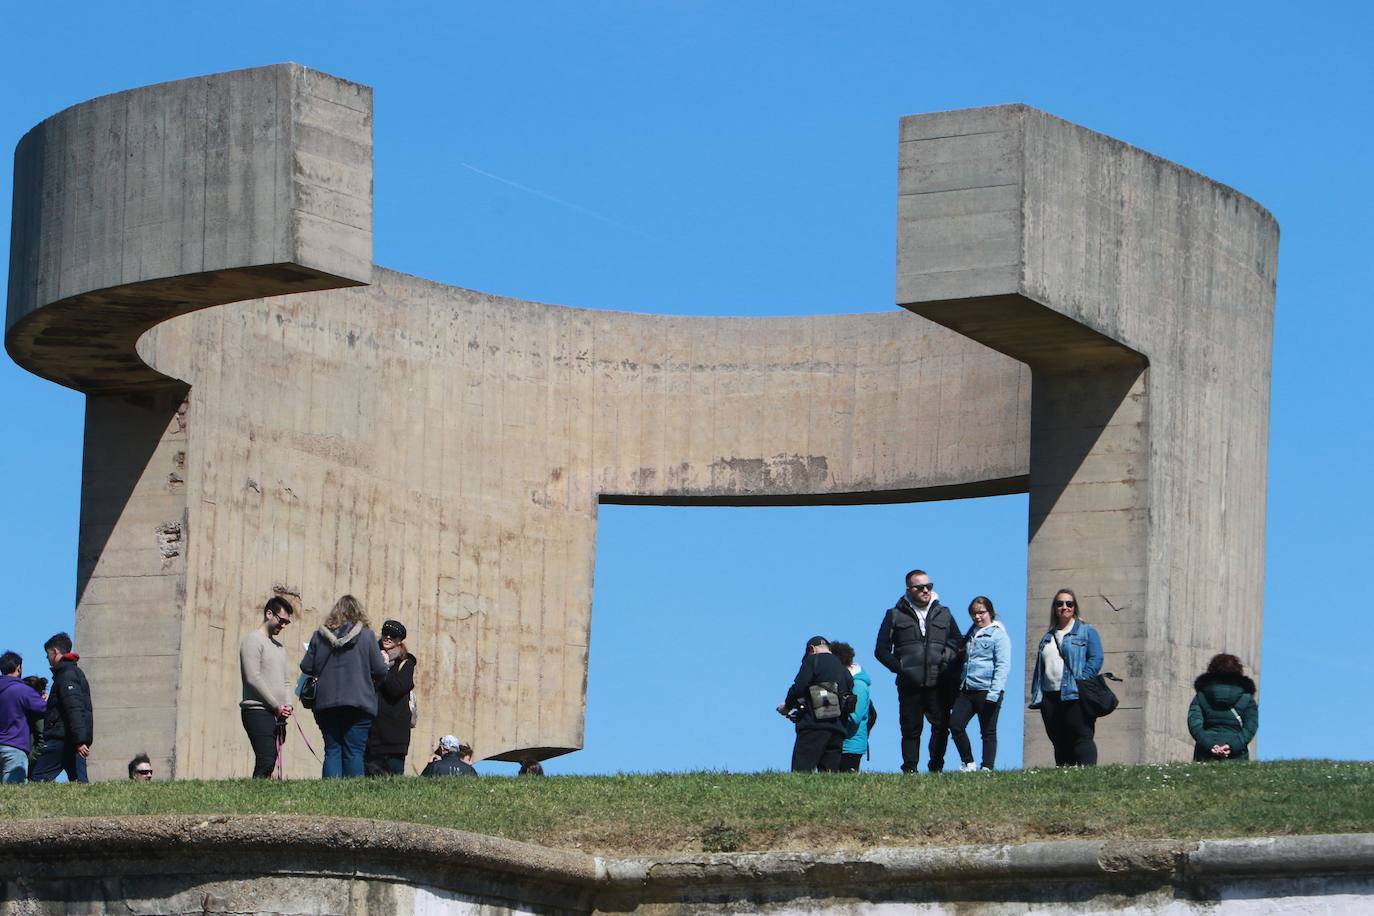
[441, 452]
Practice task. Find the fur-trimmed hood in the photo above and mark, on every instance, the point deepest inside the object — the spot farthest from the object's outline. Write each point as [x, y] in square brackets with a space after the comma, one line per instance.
[340, 640]
[1206, 680]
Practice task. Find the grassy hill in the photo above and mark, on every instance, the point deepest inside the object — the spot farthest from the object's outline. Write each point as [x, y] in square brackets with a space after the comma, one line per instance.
[681, 812]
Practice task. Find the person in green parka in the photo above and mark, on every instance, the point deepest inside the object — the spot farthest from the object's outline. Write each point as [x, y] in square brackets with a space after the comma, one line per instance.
[1224, 716]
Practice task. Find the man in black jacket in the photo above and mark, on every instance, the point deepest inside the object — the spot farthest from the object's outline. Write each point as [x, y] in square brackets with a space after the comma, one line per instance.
[69, 728]
[815, 703]
[451, 758]
[921, 644]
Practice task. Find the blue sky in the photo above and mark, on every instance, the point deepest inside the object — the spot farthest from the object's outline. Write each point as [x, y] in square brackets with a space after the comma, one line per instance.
[740, 158]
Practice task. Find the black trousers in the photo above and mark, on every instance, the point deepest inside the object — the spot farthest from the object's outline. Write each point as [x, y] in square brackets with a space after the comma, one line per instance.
[1070, 729]
[967, 704]
[384, 765]
[916, 706]
[817, 749]
[849, 763]
[58, 757]
[261, 727]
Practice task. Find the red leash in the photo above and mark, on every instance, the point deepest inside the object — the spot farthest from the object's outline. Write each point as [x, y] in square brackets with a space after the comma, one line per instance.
[306, 740]
[279, 731]
[281, 747]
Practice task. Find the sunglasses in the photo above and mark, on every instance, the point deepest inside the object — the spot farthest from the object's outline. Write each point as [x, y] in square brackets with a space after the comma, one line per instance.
[1058, 603]
[922, 586]
[143, 772]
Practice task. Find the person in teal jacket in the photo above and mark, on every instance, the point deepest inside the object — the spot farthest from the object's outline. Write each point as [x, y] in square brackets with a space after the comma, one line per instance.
[856, 727]
[1223, 716]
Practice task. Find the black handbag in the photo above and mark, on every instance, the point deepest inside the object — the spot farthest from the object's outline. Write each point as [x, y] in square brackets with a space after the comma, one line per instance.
[310, 685]
[308, 691]
[1094, 693]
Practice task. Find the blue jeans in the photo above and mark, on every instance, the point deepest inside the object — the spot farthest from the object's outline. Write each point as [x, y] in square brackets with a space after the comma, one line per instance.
[58, 756]
[14, 764]
[345, 731]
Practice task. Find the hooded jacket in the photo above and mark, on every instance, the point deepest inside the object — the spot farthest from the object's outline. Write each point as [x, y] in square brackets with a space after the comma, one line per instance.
[69, 717]
[18, 701]
[987, 660]
[1223, 711]
[919, 659]
[856, 728]
[345, 661]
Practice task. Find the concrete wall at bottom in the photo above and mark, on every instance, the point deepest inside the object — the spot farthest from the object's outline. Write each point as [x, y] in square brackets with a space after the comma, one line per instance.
[258, 864]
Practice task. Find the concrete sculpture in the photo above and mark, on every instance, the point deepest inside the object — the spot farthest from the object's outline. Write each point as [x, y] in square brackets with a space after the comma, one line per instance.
[1080, 319]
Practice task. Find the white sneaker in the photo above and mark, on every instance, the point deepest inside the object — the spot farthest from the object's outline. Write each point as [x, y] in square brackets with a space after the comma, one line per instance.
[968, 768]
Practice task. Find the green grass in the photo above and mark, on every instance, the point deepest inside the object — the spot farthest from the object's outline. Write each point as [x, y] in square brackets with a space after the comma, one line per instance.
[725, 811]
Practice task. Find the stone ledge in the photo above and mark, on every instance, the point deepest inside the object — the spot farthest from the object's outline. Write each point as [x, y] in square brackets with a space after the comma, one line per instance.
[64, 848]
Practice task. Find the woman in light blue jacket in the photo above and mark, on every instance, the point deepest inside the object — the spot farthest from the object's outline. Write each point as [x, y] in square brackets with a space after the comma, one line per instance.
[1069, 652]
[987, 661]
[856, 725]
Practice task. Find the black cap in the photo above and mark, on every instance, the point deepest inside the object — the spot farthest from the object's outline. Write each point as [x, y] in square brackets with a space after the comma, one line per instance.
[817, 641]
[394, 629]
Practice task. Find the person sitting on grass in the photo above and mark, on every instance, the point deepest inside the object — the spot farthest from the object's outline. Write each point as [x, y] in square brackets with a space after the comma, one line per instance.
[451, 758]
[141, 768]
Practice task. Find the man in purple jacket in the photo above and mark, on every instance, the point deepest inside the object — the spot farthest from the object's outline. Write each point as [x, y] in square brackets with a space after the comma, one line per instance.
[18, 702]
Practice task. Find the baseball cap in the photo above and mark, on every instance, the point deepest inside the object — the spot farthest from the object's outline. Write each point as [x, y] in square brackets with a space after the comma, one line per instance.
[449, 743]
[817, 641]
[394, 629]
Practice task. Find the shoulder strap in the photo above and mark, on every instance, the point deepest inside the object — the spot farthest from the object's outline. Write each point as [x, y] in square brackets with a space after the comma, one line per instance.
[327, 658]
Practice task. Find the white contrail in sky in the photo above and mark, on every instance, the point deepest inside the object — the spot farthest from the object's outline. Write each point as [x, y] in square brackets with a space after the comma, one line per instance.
[563, 203]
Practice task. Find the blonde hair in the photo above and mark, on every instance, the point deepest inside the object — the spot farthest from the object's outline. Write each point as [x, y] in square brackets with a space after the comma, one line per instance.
[346, 610]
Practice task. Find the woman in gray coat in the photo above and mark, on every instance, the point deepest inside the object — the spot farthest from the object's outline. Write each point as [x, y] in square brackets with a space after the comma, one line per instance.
[344, 656]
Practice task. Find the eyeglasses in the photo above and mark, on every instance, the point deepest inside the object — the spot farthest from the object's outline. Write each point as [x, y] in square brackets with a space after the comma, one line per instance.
[921, 586]
[1059, 603]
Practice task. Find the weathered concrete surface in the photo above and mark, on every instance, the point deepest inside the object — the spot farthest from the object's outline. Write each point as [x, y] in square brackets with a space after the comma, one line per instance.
[141, 205]
[441, 453]
[330, 865]
[1141, 294]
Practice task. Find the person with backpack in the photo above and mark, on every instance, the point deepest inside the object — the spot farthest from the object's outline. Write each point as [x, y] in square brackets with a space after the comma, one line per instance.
[816, 702]
[987, 662]
[1223, 716]
[389, 740]
[860, 721]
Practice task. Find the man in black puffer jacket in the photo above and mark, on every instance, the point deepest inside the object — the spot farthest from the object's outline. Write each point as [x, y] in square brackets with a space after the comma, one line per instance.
[814, 703]
[921, 644]
[69, 728]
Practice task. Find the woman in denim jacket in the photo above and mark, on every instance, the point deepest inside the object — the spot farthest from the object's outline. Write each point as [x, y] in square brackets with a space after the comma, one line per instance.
[1054, 691]
[987, 661]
